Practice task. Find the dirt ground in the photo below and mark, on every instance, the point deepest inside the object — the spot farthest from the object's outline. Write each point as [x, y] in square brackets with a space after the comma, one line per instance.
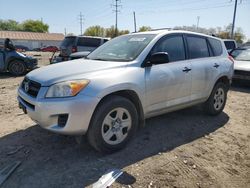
[181, 149]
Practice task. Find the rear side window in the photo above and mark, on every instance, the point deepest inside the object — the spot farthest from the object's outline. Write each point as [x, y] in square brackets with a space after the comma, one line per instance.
[174, 46]
[216, 46]
[89, 42]
[197, 47]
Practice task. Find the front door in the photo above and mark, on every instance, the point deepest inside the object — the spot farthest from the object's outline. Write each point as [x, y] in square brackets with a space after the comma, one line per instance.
[168, 84]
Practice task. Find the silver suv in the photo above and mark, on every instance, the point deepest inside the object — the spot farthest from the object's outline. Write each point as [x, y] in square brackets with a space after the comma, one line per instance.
[128, 79]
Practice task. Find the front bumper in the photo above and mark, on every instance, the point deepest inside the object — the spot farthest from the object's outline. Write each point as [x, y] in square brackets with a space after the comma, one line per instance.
[241, 75]
[45, 112]
[31, 63]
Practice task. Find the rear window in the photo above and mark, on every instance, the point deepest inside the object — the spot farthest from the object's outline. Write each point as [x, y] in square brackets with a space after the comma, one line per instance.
[230, 45]
[216, 46]
[90, 42]
[68, 41]
[197, 47]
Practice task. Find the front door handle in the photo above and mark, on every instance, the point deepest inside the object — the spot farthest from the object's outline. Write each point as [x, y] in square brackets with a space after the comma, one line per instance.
[216, 65]
[186, 69]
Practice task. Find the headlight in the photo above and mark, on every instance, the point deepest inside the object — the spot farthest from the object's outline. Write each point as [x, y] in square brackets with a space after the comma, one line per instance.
[66, 89]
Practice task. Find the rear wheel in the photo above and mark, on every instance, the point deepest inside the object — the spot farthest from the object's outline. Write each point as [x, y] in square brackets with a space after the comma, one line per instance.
[113, 124]
[17, 67]
[217, 100]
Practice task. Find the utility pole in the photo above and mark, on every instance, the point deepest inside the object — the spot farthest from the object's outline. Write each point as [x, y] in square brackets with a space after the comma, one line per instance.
[198, 21]
[135, 21]
[116, 5]
[235, 9]
[65, 32]
[81, 22]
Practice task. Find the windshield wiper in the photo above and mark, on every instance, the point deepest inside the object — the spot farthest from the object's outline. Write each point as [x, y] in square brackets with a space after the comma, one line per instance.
[100, 59]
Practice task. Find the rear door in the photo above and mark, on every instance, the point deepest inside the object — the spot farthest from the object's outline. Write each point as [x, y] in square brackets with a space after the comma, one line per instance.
[205, 66]
[168, 84]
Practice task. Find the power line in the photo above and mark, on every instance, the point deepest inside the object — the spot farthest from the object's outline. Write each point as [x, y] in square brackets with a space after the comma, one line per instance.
[117, 5]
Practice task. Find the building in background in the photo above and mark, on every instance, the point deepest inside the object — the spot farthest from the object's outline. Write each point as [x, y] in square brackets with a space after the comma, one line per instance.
[32, 40]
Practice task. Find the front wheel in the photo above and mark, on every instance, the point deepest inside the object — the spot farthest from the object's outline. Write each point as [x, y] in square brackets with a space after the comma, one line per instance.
[217, 100]
[113, 124]
[17, 68]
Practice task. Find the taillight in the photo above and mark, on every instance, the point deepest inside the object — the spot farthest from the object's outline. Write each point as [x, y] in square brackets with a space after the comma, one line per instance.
[74, 49]
[231, 58]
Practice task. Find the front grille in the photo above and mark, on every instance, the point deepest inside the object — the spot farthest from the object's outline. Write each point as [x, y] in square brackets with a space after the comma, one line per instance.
[243, 73]
[31, 87]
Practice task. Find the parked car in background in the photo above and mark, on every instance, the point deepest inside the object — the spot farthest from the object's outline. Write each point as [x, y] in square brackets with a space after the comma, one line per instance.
[242, 63]
[21, 48]
[15, 62]
[108, 95]
[72, 44]
[230, 44]
[49, 49]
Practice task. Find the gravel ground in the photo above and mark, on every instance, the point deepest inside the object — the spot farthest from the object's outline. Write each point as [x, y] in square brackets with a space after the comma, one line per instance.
[182, 149]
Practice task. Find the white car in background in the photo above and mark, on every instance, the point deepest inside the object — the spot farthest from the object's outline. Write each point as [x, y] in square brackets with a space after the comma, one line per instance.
[242, 63]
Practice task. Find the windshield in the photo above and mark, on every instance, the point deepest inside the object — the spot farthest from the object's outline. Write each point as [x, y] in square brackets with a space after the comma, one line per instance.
[241, 55]
[123, 48]
[68, 41]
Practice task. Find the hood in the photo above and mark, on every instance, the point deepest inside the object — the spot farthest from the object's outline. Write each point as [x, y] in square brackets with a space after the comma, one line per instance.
[70, 70]
[242, 65]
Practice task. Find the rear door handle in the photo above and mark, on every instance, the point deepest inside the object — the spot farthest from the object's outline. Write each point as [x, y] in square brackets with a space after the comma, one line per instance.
[216, 65]
[186, 69]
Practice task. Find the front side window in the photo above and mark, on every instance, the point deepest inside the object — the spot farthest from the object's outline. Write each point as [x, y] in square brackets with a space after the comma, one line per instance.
[174, 46]
[197, 47]
[122, 48]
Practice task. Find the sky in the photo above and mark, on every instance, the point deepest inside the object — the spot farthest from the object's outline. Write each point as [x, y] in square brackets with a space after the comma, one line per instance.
[64, 14]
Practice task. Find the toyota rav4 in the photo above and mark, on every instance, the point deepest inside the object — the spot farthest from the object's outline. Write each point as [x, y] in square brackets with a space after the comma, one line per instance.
[126, 80]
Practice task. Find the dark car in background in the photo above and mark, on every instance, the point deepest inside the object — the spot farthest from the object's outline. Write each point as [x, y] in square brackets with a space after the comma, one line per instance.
[73, 44]
[15, 62]
[241, 63]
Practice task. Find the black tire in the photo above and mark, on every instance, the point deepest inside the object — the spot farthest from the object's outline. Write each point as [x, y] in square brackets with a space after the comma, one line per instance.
[217, 99]
[17, 68]
[108, 108]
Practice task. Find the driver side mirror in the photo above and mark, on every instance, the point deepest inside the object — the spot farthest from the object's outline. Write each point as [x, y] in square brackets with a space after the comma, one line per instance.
[159, 58]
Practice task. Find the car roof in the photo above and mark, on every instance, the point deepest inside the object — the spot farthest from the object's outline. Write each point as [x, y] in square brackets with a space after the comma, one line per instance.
[167, 31]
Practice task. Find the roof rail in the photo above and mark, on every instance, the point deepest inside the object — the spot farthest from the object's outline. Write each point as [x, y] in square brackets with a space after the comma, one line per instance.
[166, 28]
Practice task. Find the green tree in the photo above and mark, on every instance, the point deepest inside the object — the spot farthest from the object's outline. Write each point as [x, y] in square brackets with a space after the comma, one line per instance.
[110, 32]
[95, 31]
[144, 28]
[35, 26]
[9, 25]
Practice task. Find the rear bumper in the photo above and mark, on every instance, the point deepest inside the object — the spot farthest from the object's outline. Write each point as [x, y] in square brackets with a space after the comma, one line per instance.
[47, 112]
